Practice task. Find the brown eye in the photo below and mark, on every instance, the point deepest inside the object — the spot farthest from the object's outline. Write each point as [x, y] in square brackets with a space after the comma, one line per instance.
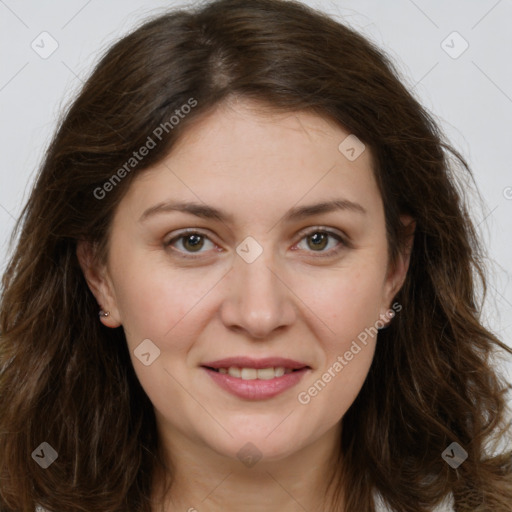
[189, 243]
[195, 242]
[318, 240]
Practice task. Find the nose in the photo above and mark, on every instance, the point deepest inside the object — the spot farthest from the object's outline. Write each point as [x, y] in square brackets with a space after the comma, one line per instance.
[259, 301]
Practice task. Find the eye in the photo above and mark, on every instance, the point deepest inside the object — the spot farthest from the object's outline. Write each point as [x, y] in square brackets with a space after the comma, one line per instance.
[191, 241]
[318, 240]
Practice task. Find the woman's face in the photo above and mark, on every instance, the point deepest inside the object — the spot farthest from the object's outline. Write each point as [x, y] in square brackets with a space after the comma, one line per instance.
[263, 274]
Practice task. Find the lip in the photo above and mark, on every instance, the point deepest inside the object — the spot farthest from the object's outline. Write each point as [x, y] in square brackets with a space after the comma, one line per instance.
[256, 389]
[249, 362]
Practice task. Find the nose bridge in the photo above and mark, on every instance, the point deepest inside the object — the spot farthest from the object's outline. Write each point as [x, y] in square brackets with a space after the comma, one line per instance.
[258, 302]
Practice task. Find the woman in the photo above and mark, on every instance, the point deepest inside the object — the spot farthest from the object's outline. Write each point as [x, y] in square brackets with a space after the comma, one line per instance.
[238, 360]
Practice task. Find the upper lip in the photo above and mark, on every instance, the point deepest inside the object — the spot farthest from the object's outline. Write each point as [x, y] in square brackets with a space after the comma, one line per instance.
[249, 362]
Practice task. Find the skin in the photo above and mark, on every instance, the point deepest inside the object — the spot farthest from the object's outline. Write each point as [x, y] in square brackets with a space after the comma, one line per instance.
[290, 302]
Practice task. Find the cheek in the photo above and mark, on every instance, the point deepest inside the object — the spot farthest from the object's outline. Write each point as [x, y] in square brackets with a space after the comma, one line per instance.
[331, 392]
[162, 305]
[153, 299]
[346, 300]
[348, 303]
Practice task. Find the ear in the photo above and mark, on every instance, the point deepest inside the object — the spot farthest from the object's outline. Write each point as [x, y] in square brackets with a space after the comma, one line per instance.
[99, 283]
[397, 273]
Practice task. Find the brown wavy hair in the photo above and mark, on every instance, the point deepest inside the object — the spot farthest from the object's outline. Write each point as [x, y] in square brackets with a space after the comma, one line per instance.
[68, 380]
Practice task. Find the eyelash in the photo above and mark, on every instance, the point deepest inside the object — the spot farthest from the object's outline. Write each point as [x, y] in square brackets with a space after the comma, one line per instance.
[343, 243]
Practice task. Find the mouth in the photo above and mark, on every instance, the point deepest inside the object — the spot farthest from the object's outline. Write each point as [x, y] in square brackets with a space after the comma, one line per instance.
[255, 373]
[248, 368]
[253, 379]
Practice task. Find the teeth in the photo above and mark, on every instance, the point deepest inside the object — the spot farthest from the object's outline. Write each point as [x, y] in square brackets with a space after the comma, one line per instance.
[234, 372]
[253, 373]
[266, 373]
[280, 371]
[249, 373]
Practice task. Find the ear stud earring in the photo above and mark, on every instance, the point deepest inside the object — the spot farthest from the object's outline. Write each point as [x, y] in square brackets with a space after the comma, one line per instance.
[104, 313]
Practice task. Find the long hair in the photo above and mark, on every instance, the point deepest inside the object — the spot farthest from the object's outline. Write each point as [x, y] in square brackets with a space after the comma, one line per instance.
[67, 380]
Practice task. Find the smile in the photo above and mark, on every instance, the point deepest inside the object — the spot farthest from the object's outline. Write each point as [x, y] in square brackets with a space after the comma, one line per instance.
[256, 384]
[253, 373]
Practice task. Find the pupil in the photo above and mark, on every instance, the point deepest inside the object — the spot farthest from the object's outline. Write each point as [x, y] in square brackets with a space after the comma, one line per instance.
[316, 240]
[195, 243]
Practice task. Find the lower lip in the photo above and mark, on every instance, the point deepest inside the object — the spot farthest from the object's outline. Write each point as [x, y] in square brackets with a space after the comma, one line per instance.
[256, 389]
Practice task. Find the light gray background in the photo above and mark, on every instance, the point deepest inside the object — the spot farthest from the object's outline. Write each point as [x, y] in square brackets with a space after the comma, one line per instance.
[471, 95]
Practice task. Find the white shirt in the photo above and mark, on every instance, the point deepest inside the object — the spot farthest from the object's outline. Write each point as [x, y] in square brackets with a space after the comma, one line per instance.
[445, 506]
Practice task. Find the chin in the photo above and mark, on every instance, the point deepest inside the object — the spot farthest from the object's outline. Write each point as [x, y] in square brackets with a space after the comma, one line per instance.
[258, 448]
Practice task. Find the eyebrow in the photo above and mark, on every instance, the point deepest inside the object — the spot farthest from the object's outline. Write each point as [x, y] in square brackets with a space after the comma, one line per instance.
[209, 212]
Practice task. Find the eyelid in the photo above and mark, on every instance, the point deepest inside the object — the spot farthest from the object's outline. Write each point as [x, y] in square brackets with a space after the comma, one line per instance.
[186, 231]
[324, 229]
[332, 232]
[182, 233]
[342, 238]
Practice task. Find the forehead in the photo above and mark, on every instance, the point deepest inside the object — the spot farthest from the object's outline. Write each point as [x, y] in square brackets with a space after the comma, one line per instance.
[244, 128]
[246, 155]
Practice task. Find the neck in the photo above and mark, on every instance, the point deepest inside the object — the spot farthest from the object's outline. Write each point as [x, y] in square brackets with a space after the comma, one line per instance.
[206, 481]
